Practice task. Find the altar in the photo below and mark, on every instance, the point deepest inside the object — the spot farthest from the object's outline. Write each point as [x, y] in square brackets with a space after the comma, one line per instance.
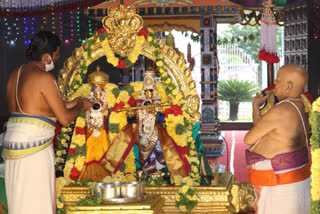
[146, 131]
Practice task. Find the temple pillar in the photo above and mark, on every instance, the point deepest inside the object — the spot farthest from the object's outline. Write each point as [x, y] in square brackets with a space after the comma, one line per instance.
[210, 132]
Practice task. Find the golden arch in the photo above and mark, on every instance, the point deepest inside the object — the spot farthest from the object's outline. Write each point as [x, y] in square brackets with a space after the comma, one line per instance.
[173, 63]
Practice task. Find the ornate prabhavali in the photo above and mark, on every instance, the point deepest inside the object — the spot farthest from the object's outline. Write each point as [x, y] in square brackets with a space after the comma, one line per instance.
[173, 62]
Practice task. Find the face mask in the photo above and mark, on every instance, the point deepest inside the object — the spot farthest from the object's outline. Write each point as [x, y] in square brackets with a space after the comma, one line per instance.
[50, 66]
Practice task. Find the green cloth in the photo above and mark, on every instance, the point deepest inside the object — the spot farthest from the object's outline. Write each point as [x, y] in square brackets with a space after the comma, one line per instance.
[204, 167]
[196, 137]
[136, 155]
[3, 192]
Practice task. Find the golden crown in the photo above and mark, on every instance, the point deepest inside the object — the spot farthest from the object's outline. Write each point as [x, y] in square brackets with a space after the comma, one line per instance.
[122, 20]
[98, 77]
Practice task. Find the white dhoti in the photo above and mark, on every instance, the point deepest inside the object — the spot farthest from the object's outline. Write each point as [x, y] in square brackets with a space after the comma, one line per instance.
[29, 166]
[293, 198]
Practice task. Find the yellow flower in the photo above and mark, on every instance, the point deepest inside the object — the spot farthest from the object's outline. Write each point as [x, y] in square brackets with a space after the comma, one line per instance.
[130, 165]
[177, 197]
[168, 81]
[85, 55]
[188, 181]
[80, 122]
[161, 70]
[177, 180]
[75, 86]
[179, 96]
[150, 30]
[123, 96]
[150, 38]
[82, 91]
[111, 99]
[133, 56]
[79, 162]
[159, 63]
[59, 204]
[79, 140]
[184, 189]
[59, 153]
[194, 197]
[109, 53]
[58, 160]
[78, 77]
[194, 168]
[175, 91]
[183, 208]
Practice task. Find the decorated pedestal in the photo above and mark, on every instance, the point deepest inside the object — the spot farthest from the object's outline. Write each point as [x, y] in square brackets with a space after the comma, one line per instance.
[151, 205]
[223, 196]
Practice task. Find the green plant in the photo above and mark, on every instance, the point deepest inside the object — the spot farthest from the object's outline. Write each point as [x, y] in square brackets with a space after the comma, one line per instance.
[235, 92]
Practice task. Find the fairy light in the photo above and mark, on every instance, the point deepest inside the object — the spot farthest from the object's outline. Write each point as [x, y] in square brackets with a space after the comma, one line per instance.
[11, 27]
[25, 30]
[31, 29]
[71, 26]
[6, 23]
[60, 23]
[315, 21]
[53, 19]
[60, 26]
[78, 24]
[44, 22]
[90, 26]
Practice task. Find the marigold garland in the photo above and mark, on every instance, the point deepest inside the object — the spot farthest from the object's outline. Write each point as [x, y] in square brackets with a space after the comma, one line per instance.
[315, 155]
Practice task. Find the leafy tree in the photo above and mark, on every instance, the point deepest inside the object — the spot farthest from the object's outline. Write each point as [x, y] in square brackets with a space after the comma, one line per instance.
[236, 91]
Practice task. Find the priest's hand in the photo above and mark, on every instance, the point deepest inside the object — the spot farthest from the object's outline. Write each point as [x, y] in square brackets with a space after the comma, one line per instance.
[86, 103]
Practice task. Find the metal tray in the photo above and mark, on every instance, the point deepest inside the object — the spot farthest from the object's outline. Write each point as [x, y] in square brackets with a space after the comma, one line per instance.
[122, 200]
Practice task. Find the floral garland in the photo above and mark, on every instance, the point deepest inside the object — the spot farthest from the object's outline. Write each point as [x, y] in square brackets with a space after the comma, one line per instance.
[315, 155]
[178, 121]
[177, 130]
[178, 126]
[187, 197]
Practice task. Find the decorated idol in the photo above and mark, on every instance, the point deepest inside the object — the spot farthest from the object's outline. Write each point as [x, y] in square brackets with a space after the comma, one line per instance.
[146, 130]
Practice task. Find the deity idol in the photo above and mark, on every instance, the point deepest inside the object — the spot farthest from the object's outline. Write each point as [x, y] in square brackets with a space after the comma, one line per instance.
[97, 141]
[146, 130]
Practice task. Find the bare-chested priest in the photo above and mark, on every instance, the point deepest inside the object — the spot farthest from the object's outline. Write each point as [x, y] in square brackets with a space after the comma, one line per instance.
[277, 160]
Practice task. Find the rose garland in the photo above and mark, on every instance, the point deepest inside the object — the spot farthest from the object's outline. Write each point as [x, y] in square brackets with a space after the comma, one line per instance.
[177, 119]
[315, 155]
